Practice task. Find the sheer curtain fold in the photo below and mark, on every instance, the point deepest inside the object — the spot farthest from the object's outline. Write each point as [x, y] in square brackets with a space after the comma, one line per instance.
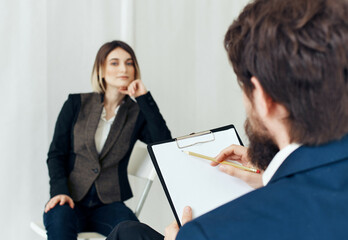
[23, 123]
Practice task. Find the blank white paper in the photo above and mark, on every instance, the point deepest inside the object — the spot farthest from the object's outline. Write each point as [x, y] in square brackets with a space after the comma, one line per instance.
[192, 181]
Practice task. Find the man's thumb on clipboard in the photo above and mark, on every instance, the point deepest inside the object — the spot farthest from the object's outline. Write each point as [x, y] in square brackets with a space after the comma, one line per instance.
[186, 215]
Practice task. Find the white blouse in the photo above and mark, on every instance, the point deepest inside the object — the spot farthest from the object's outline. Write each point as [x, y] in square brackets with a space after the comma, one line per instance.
[103, 129]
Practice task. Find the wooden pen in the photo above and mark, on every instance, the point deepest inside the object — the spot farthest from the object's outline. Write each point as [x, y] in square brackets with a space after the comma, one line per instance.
[223, 162]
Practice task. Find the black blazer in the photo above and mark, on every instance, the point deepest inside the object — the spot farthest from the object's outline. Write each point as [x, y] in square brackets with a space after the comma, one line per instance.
[73, 162]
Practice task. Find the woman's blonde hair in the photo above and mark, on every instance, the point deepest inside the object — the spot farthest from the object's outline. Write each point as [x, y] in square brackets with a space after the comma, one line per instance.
[98, 82]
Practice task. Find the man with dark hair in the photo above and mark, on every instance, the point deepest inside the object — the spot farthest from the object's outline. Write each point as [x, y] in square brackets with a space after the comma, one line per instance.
[291, 61]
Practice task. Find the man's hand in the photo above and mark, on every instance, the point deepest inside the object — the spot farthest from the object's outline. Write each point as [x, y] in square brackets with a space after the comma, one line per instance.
[61, 199]
[238, 153]
[173, 229]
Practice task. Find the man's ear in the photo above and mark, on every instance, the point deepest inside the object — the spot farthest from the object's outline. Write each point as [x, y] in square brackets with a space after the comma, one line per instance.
[263, 103]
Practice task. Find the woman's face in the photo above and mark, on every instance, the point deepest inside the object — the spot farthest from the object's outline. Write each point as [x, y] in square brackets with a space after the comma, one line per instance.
[119, 69]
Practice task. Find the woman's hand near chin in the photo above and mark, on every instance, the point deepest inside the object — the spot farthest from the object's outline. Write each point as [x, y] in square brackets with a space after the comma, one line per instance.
[135, 89]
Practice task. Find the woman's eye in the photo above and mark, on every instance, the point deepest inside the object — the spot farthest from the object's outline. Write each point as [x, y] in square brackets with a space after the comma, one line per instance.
[114, 63]
[129, 63]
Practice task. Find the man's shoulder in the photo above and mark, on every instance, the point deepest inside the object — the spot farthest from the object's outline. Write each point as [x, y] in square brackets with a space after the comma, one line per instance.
[308, 158]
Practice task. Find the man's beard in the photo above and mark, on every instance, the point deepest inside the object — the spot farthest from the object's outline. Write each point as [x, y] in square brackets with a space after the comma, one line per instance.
[262, 147]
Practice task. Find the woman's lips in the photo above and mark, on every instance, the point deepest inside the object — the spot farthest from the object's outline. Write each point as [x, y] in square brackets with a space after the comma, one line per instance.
[123, 77]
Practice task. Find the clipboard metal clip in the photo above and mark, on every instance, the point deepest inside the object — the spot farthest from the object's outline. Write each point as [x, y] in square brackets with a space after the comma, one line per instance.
[192, 135]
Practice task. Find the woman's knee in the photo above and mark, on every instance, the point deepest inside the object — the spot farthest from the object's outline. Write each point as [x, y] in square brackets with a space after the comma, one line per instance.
[61, 216]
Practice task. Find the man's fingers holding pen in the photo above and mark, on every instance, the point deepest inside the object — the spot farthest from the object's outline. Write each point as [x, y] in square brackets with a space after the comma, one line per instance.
[252, 179]
[233, 152]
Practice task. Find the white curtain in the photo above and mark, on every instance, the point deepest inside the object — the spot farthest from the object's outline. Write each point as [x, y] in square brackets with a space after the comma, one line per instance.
[47, 51]
[23, 121]
[179, 44]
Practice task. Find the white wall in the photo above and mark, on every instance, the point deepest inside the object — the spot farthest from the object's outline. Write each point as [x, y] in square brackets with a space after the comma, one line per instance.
[180, 48]
[75, 31]
[179, 45]
[48, 49]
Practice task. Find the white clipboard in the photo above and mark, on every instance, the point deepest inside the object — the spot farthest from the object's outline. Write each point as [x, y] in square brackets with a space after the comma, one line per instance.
[192, 181]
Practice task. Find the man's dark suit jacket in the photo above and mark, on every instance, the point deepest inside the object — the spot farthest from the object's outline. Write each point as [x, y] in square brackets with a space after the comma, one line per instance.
[73, 161]
[307, 198]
